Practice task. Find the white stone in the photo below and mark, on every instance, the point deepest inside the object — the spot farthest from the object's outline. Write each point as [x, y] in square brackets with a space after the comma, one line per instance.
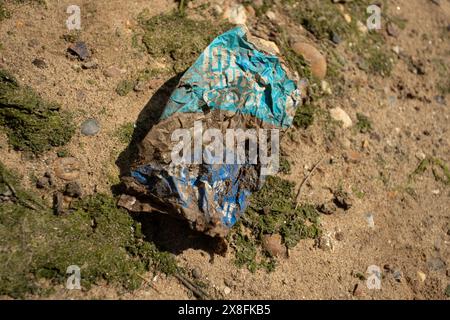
[361, 27]
[347, 18]
[339, 114]
[271, 15]
[270, 45]
[422, 276]
[236, 14]
[396, 50]
[217, 10]
[326, 87]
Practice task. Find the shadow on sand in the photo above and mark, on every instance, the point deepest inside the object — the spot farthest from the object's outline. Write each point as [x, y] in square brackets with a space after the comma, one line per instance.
[168, 233]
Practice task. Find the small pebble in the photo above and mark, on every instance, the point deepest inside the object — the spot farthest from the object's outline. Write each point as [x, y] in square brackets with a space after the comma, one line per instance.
[357, 290]
[67, 168]
[392, 30]
[89, 65]
[90, 127]
[339, 114]
[347, 18]
[73, 189]
[440, 99]
[436, 264]
[273, 245]
[335, 38]
[326, 88]
[397, 275]
[80, 50]
[343, 200]
[325, 243]
[49, 176]
[227, 290]
[196, 273]
[361, 27]
[236, 14]
[422, 276]
[40, 63]
[140, 86]
[42, 183]
[271, 16]
[327, 208]
[396, 50]
[33, 43]
[339, 236]
[217, 10]
[352, 156]
[112, 72]
[229, 283]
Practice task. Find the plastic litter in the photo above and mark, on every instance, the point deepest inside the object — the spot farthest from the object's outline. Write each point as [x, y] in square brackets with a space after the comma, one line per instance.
[238, 82]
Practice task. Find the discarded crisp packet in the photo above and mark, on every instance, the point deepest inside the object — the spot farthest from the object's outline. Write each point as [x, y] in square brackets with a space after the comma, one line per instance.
[210, 149]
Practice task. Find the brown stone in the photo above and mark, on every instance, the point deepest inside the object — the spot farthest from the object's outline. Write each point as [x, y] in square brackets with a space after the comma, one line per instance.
[67, 168]
[312, 56]
[352, 156]
[273, 245]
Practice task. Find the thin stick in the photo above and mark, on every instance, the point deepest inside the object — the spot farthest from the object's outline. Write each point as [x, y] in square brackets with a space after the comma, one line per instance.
[149, 283]
[9, 185]
[191, 286]
[181, 7]
[306, 179]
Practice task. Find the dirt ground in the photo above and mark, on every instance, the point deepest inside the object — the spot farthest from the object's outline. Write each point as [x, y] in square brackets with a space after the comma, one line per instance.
[410, 235]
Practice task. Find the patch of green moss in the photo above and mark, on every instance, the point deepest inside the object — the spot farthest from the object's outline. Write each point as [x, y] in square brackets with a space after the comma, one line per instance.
[285, 165]
[72, 36]
[379, 60]
[4, 13]
[124, 87]
[323, 19]
[248, 254]
[31, 123]
[125, 132]
[358, 193]
[103, 240]
[272, 210]
[304, 116]
[177, 38]
[440, 170]
[363, 124]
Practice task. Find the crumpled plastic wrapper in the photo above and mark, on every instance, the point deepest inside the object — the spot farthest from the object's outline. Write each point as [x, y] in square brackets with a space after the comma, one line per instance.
[238, 82]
